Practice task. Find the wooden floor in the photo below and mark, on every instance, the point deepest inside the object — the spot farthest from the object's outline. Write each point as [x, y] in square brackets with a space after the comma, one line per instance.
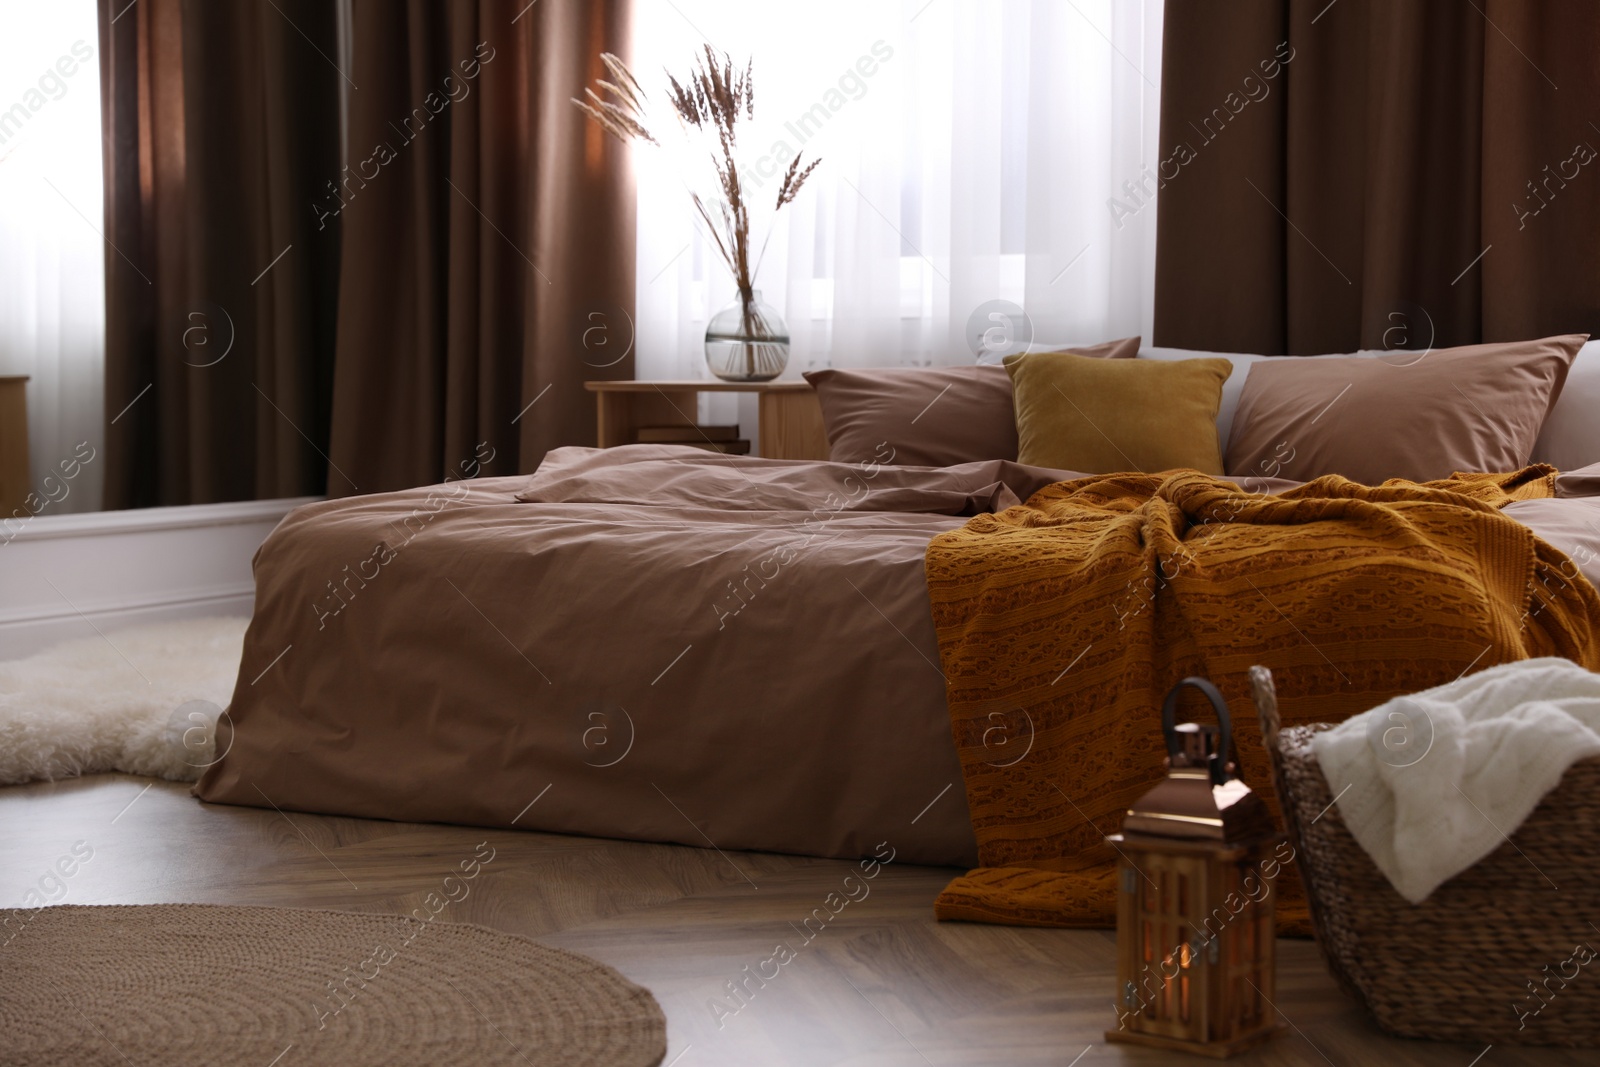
[882, 984]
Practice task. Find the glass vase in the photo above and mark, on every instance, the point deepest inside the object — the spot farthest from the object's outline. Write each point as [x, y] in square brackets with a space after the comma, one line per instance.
[747, 341]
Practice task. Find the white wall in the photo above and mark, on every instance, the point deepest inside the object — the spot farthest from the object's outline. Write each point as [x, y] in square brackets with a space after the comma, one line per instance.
[64, 576]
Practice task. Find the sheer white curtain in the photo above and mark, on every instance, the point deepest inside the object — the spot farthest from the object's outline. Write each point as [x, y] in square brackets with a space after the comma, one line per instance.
[52, 288]
[972, 151]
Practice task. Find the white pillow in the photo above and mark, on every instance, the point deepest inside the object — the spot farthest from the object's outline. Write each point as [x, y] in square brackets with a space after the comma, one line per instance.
[1571, 435]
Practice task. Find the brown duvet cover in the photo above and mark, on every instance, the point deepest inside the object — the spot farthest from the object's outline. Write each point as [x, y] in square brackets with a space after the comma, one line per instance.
[646, 642]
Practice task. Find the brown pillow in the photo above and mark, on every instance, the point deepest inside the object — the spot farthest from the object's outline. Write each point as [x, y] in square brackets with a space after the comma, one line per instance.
[930, 416]
[1403, 415]
[1100, 417]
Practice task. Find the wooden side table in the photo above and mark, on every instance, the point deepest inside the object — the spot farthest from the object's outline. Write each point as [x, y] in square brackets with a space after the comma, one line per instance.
[14, 481]
[790, 415]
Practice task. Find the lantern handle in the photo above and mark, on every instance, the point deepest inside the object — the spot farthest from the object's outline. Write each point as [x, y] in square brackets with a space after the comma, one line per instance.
[1169, 724]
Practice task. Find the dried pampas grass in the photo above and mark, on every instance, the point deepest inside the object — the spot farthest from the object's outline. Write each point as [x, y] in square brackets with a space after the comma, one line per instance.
[710, 101]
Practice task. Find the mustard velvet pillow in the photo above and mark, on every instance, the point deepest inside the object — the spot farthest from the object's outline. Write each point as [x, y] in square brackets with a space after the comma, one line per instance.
[1104, 416]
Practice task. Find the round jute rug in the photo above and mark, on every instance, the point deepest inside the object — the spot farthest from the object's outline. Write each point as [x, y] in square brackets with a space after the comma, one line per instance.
[275, 987]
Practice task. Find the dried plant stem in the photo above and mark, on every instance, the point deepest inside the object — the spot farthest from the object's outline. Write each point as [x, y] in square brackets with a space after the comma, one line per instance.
[711, 102]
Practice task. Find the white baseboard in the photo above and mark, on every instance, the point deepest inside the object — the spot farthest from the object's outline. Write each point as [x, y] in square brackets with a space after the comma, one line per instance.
[68, 576]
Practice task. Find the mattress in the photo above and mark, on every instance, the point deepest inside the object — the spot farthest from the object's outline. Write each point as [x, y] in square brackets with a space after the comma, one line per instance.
[648, 642]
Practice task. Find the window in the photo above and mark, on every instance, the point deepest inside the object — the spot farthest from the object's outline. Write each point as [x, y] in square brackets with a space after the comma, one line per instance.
[970, 149]
[52, 257]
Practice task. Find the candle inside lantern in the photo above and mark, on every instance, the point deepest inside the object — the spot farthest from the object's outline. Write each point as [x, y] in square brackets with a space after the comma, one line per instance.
[1196, 911]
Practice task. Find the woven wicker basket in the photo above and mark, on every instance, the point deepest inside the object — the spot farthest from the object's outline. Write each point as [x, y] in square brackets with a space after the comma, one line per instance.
[1493, 955]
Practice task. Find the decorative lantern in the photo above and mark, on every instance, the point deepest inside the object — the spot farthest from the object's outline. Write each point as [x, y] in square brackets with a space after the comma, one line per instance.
[1195, 903]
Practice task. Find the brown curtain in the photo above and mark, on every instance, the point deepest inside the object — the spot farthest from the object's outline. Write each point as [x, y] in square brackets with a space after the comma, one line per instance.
[485, 224]
[221, 121]
[1377, 173]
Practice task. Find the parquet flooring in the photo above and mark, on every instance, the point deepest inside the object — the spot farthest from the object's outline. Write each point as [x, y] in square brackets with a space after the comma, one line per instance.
[881, 984]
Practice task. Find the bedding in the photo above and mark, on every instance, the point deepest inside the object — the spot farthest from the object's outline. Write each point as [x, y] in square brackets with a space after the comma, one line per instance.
[1474, 408]
[930, 416]
[1076, 612]
[863, 407]
[1100, 417]
[646, 642]
[1569, 439]
[1571, 435]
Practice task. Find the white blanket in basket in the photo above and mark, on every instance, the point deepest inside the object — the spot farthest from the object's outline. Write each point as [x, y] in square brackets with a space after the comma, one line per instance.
[1433, 782]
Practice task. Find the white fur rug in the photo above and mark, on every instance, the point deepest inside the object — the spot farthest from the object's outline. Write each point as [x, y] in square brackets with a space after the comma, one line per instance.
[142, 701]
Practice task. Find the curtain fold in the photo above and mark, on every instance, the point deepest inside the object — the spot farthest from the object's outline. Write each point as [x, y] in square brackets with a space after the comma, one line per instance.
[304, 297]
[583, 292]
[220, 122]
[1376, 175]
[481, 223]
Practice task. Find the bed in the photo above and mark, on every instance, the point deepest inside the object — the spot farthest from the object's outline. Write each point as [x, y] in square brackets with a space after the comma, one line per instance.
[646, 642]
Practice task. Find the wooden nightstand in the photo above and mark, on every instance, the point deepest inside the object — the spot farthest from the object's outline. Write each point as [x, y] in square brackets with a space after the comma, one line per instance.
[14, 482]
[791, 417]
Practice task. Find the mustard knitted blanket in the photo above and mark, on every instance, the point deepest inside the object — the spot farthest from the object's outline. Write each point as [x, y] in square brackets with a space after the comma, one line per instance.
[1063, 622]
